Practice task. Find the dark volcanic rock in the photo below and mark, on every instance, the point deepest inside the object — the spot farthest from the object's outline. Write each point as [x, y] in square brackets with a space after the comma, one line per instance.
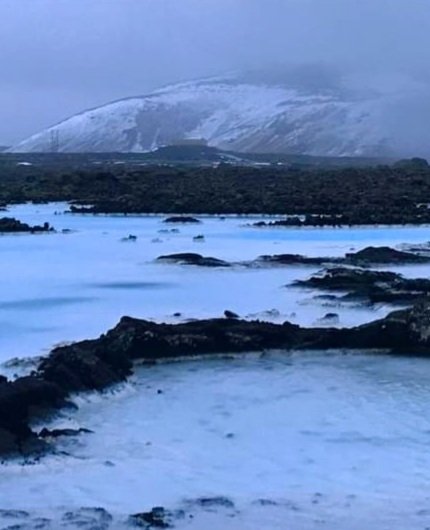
[140, 339]
[85, 366]
[306, 220]
[375, 286]
[56, 433]
[345, 279]
[295, 259]
[158, 517]
[364, 257]
[11, 225]
[182, 219]
[190, 258]
[21, 400]
[384, 255]
[96, 364]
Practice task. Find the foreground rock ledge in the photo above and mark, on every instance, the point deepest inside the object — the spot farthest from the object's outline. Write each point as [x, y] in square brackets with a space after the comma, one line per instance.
[96, 364]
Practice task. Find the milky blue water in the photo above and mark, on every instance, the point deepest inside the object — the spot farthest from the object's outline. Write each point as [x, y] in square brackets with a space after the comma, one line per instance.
[68, 286]
[335, 440]
[303, 441]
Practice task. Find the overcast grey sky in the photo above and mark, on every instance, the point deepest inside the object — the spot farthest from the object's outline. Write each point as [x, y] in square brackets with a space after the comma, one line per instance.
[59, 57]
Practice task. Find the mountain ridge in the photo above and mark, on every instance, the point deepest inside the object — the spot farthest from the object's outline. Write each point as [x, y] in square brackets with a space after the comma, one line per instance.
[231, 114]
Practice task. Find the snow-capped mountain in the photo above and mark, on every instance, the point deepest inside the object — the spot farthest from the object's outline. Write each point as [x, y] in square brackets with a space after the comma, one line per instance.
[230, 113]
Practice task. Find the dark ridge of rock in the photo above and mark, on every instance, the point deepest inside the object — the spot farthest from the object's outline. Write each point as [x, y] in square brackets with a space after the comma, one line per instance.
[158, 517]
[314, 220]
[141, 339]
[384, 255]
[86, 367]
[56, 433]
[149, 341]
[190, 258]
[375, 286]
[10, 225]
[28, 397]
[182, 219]
[97, 364]
[20, 401]
[296, 259]
[344, 279]
[364, 257]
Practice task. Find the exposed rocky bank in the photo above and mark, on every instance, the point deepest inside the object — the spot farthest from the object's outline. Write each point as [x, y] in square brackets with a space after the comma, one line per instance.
[97, 364]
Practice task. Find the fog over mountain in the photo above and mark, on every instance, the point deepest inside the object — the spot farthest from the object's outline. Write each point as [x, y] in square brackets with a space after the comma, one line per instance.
[60, 57]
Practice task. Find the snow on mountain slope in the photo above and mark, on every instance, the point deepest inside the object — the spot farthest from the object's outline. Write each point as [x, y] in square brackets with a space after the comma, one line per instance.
[230, 114]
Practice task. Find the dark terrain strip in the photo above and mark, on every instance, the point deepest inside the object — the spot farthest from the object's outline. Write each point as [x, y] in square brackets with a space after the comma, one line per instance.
[324, 196]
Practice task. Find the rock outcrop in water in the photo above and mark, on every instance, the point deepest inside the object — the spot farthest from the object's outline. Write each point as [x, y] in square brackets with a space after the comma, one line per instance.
[21, 401]
[191, 258]
[295, 259]
[384, 255]
[96, 364]
[182, 219]
[371, 285]
[10, 225]
[364, 258]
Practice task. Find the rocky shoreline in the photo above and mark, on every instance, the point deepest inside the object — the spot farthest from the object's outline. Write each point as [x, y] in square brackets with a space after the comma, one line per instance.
[97, 364]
